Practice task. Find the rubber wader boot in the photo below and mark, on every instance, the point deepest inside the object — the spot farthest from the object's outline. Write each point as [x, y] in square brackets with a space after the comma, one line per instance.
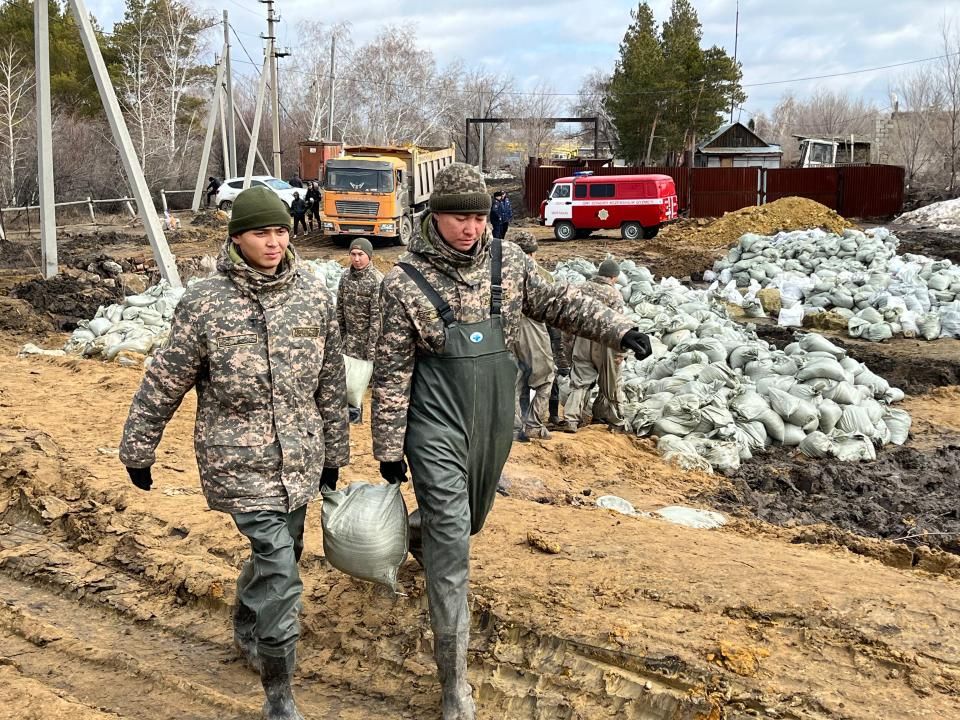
[276, 674]
[244, 622]
[415, 536]
[451, 657]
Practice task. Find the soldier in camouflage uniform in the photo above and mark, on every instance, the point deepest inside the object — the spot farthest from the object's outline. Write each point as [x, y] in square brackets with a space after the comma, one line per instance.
[358, 308]
[535, 358]
[444, 389]
[259, 341]
[595, 363]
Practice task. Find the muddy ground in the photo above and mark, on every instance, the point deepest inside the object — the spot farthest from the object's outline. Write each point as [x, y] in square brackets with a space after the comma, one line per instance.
[814, 602]
[933, 243]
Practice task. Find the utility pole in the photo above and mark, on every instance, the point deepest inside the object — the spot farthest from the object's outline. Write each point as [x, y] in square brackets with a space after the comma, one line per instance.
[230, 118]
[271, 39]
[736, 42]
[121, 137]
[482, 126]
[48, 215]
[257, 115]
[333, 75]
[212, 113]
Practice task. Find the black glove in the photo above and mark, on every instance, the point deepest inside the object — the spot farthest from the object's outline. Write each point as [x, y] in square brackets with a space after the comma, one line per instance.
[394, 472]
[638, 342]
[329, 477]
[140, 477]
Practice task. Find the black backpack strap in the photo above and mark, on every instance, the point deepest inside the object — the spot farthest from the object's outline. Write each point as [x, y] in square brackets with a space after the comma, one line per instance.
[496, 277]
[442, 306]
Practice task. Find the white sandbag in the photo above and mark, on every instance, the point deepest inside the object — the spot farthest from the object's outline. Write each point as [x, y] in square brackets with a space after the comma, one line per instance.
[792, 435]
[856, 420]
[830, 414]
[853, 448]
[898, 423]
[791, 317]
[830, 369]
[365, 531]
[813, 342]
[773, 424]
[816, 445]
[358, 374]
[98, 326]
[929, 326]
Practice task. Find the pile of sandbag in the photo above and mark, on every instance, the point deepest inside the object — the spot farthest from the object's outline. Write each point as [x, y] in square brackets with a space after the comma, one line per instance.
[714, 393]
[141, 323]
[856, 279]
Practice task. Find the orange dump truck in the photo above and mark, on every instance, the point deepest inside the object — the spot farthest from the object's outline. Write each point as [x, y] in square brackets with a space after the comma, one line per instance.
[380, 192]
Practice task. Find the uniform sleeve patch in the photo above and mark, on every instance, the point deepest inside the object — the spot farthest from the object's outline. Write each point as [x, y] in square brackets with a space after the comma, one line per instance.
[310, 332]
[233, 340]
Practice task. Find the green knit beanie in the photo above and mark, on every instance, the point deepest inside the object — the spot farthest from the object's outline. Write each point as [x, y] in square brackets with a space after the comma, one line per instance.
[361, 243]
[609, 268]
[258, 207]
[459, 188]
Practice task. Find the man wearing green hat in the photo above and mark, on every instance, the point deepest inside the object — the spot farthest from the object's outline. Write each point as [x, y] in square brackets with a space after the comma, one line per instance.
[443, 389]
[260, 343]
[358, 313]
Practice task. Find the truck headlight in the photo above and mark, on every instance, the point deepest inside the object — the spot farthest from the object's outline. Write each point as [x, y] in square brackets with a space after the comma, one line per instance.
[328, 226]
[388, 227]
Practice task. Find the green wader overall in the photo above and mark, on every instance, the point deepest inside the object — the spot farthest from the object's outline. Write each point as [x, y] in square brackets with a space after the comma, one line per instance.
[459, 433]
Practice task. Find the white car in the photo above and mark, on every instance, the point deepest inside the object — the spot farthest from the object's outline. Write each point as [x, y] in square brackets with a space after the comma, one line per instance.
[231, 187]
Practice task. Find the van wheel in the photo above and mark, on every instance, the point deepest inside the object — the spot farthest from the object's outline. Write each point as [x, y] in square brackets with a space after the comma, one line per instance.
[225, 205]
[564, 231]
[649, 233]
[631, 230]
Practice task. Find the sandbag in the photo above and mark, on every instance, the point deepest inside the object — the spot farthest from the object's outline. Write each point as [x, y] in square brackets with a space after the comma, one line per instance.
[856, 420]
[816, 445]
[830, 414]
[358, 374]
[365, 531]
[898, 423]
[793, 435]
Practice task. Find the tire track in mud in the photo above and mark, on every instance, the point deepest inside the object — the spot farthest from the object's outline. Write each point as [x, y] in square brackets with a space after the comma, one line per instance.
[134, 669]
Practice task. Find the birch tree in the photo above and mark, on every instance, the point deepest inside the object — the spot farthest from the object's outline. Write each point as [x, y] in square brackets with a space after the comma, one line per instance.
[16, 95]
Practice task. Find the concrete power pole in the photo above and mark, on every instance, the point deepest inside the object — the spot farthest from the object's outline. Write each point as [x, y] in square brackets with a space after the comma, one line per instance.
[271, 39]
[121, 137]
[333, 64]
[48, 215]
[230, 118]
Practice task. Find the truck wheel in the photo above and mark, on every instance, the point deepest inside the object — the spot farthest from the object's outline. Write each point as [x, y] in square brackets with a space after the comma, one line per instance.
[226, 205]
[564, 231]
[649, 233]
[406, 232]
[631, 230]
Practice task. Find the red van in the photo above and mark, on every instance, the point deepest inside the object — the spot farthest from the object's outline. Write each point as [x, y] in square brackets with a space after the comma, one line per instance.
[636, 204]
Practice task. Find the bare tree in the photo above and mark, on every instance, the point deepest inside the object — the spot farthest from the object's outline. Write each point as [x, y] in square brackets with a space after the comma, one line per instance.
[825, 114]
[592, 102]
[534, 132]
[914, 127]
[948, 76]
[16, 90]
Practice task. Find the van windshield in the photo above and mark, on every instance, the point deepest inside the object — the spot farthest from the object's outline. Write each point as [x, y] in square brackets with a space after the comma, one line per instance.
[359, 179]
[561, 191]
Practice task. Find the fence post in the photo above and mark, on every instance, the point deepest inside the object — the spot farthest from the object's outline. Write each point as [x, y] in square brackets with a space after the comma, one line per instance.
[163, 199]
[93, 218]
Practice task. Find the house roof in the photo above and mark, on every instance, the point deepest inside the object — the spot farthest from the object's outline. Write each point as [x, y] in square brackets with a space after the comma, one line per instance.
[764, 149]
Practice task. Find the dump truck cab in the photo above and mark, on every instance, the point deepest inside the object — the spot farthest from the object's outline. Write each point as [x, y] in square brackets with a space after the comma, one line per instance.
[379, 191]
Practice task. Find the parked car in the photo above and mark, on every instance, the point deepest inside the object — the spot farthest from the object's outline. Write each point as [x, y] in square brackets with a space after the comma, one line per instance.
[231, 187]
[636, 204]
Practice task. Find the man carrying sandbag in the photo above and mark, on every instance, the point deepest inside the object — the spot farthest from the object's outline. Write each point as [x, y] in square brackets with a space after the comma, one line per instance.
[358, 313]
[535, 358]
[596, 363]
[443, 389]
[260, 342]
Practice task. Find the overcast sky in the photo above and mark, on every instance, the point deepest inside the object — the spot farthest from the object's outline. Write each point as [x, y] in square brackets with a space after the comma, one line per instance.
[559, 41]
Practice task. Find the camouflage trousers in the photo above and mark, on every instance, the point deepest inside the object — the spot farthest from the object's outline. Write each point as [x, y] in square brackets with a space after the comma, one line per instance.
[269, 586]
[530, 412]
[594, 364]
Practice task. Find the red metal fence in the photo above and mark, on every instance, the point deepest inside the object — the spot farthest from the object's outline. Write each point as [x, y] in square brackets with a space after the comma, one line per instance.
[859, 191]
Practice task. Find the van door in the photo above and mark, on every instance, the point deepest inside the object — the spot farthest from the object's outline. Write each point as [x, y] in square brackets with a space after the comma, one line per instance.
[559, 205]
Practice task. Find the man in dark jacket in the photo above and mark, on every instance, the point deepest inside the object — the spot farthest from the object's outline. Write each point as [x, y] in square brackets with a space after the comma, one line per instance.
[260, 343]
[213, 187]
[298, 208]
[313, 205]
[444, 384]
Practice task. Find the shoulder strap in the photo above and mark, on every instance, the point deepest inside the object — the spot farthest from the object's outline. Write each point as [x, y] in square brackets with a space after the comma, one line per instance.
[442, 306]
[496, 277]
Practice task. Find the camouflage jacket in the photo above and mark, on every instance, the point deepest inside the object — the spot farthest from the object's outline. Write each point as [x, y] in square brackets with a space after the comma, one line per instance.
[358, 311]
[603, 291]
[264, 355]
[411, 324]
